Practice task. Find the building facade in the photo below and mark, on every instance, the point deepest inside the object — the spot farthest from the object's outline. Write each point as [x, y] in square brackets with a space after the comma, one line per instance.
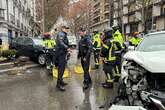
[100, 15]
[143, 18]
[17, 18]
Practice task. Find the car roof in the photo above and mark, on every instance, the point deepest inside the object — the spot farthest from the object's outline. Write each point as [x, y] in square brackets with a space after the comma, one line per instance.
[154, 33]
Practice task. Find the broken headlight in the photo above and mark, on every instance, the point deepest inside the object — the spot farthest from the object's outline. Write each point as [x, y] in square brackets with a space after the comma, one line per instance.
[134, 71]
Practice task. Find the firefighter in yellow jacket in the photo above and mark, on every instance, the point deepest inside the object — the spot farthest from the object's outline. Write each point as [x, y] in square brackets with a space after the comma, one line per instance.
[109, 57]
[135, 40]
[49, 44]
[118, 51]
[96, 47]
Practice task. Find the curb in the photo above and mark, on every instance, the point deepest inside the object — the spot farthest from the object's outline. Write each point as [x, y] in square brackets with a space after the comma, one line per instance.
[19, 68]
[4, 64]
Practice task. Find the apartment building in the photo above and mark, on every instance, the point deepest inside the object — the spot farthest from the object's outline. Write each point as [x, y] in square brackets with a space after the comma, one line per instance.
[137, 17]
[100, 17]
[17, 18]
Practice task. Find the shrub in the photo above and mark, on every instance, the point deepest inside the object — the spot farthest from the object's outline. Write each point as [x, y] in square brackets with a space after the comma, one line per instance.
[8, 53]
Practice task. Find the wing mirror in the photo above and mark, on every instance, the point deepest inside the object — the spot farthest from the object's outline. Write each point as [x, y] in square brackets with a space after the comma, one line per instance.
[131, 48]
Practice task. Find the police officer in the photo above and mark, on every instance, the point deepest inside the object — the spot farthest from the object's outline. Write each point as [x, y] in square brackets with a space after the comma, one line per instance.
[49, 44]
[62, 49]
[96, 47]
[135, 40]
[109, 58]
[85, 48]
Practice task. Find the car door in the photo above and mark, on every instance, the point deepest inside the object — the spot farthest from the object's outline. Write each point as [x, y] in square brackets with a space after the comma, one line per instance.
[18, 45]
[28, 47]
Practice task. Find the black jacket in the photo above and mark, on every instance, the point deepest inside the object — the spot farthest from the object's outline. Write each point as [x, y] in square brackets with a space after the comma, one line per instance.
[62, 43]
[85, 47]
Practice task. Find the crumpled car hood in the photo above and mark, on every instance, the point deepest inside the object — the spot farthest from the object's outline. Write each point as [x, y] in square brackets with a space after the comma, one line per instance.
[152, 61]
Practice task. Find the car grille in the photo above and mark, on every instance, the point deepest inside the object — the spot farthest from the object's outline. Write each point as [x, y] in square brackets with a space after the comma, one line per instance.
[156, 81]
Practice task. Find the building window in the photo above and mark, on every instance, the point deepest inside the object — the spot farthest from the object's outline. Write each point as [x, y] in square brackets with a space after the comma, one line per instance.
[134, 27]
[2, 13]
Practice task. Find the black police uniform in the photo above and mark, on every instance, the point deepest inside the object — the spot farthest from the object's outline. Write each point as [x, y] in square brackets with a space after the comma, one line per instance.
[85, 48]
[62, 44]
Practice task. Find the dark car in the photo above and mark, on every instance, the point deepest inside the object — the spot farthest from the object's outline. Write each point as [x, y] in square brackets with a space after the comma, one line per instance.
[30, 47]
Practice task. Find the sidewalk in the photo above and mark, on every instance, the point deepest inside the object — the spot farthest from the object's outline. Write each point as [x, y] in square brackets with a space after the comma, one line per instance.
[2, 59]
[7, 66]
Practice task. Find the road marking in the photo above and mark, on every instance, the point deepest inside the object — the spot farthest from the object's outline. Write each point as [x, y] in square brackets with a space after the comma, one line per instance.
[19, 68]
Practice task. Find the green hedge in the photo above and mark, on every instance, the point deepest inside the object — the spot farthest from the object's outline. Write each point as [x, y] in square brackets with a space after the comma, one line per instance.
[8, 53]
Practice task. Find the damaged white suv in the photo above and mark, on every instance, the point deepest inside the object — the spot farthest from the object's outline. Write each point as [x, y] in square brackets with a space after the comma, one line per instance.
[143, 74]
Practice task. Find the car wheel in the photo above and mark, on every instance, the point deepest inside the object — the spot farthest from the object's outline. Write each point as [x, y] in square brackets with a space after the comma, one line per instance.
[42, 59]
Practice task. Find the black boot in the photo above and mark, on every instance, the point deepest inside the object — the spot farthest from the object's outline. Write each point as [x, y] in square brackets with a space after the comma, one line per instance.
[63, 83]
[86, 86]
[107, 85]
[60, 86]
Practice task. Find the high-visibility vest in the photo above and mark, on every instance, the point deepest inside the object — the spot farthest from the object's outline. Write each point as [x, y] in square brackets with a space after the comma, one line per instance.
[97, 39]
[135, 41]
[118, 37]
[49, 43]
[111, 55]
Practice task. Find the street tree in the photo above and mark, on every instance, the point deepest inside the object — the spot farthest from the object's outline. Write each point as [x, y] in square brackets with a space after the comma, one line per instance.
[54, 9]
[78, 14]
[144, 5]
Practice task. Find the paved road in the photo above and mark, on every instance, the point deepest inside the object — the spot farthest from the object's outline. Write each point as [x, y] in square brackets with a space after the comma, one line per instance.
[35, 90]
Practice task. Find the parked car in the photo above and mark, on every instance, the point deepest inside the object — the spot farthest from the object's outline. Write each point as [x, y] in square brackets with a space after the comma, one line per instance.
[143, 74]
[72, 41]
[30, 47]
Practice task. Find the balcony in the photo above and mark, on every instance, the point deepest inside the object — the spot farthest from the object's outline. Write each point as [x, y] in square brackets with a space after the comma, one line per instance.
[12, 18]
[125, 2]
[97, 5]
[107, 1]
[125, 10]
[132, 1]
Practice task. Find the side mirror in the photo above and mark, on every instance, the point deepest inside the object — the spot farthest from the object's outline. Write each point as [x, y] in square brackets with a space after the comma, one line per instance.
[131, 48]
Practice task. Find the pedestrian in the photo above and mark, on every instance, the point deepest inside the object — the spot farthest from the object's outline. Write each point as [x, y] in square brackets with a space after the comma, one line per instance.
[49, 44]
[109, 58]
[96, 47]
[62, 50]
[85, 49]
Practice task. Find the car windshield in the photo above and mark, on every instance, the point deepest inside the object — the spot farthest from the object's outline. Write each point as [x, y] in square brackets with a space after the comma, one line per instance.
[155, 42]
[38, 42]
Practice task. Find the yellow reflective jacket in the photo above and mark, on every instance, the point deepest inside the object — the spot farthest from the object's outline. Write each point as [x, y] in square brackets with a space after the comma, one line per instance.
[97, 41]
[135, 41]
[108, 51]
[118, 37]
[49, 43]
